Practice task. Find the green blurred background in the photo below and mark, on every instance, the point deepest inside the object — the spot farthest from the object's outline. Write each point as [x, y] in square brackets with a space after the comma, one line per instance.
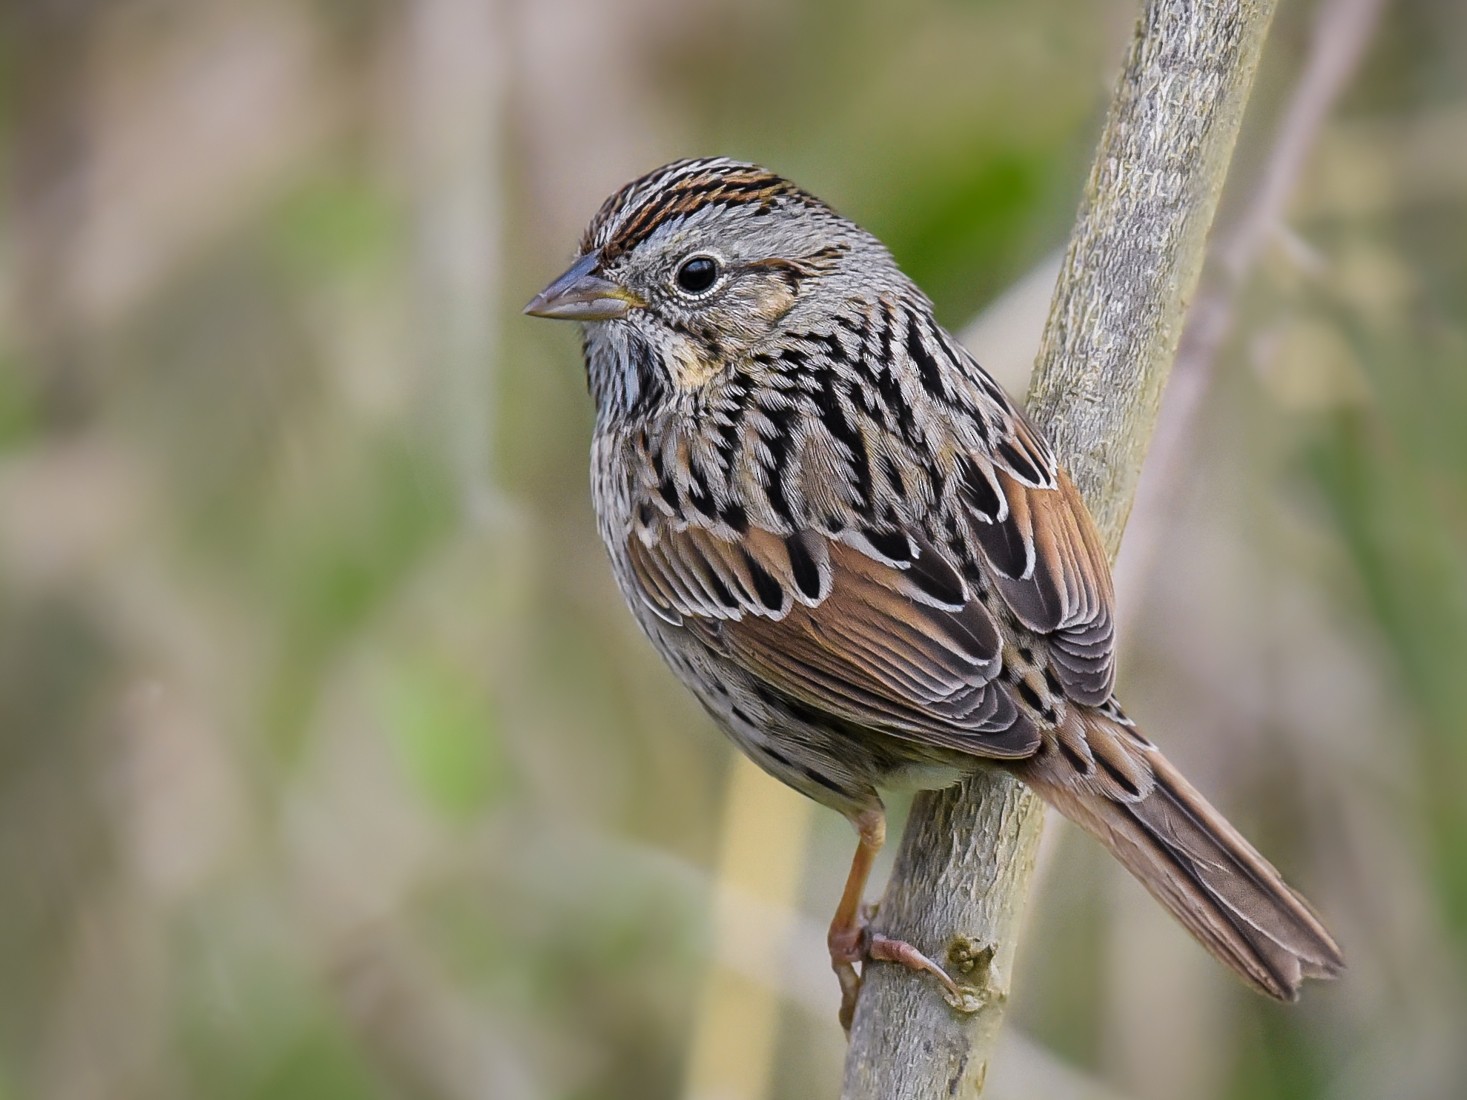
[331, 765]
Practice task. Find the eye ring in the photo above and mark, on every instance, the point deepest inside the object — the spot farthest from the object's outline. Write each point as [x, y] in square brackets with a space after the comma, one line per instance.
[698, 274]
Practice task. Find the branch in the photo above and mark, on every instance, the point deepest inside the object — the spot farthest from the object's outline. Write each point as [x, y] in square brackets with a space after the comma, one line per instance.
[958, 888]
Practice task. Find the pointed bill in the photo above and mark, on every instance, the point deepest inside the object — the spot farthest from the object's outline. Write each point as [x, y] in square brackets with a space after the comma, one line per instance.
[583, 295]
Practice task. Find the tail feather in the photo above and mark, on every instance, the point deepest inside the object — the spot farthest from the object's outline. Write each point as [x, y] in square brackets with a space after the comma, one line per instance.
[1185, 853]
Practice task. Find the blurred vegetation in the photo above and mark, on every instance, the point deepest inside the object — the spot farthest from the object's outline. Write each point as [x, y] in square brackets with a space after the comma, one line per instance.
[331, 765]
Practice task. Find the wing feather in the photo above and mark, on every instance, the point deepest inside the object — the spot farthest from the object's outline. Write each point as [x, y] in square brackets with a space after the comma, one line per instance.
[1050, 566]
[875, 629]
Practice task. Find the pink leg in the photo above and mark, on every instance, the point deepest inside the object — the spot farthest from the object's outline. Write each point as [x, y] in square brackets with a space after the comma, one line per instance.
[850, 938]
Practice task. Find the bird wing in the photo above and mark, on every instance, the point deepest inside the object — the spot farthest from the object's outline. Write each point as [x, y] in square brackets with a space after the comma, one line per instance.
[1046, 558]
[875, 629]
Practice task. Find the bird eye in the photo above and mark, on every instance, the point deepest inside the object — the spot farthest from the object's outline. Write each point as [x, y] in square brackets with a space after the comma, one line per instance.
[697, 274]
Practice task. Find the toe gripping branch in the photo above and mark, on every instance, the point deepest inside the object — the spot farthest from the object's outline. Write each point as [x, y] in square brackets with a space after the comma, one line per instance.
[851, 939]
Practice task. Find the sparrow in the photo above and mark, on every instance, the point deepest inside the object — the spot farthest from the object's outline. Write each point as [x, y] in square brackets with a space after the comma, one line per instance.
[863, 559]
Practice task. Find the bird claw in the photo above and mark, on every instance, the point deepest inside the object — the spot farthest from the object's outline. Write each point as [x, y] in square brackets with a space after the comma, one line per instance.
[866, 946]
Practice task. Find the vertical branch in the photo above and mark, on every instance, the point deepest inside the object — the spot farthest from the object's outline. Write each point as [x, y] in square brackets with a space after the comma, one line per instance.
[958, 888]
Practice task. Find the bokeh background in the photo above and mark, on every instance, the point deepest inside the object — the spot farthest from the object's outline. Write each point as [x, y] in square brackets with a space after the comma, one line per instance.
[331, 765]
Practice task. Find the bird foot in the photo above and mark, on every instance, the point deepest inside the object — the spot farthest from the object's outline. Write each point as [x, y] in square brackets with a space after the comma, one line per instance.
[859, 944]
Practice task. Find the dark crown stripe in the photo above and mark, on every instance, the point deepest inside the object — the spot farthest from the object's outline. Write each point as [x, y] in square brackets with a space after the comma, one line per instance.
[687, 199]
[679, 190]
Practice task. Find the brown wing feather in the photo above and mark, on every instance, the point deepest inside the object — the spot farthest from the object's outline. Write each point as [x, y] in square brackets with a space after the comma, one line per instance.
[885, 638]
[1050, 566]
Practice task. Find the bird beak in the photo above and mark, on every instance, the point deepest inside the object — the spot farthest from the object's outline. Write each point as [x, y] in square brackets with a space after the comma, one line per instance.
[582, 295]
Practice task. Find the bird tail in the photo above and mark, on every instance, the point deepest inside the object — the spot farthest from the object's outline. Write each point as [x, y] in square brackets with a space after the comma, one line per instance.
[1108, 779]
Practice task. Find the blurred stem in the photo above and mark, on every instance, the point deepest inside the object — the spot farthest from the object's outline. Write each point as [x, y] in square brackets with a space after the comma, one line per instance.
[1342, 30]
[456, 77]
[766, 829]
[1133, 262]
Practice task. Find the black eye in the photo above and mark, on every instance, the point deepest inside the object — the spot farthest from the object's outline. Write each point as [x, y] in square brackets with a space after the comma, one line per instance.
[697, 274]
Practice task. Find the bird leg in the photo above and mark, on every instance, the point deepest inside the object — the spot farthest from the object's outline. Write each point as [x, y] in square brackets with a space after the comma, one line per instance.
[851, 939]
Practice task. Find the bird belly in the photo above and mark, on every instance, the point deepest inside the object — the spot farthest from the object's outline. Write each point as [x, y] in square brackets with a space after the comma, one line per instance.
[924, 776]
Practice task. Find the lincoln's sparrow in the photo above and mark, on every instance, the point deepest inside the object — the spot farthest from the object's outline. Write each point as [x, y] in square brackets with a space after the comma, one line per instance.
[862, 558]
